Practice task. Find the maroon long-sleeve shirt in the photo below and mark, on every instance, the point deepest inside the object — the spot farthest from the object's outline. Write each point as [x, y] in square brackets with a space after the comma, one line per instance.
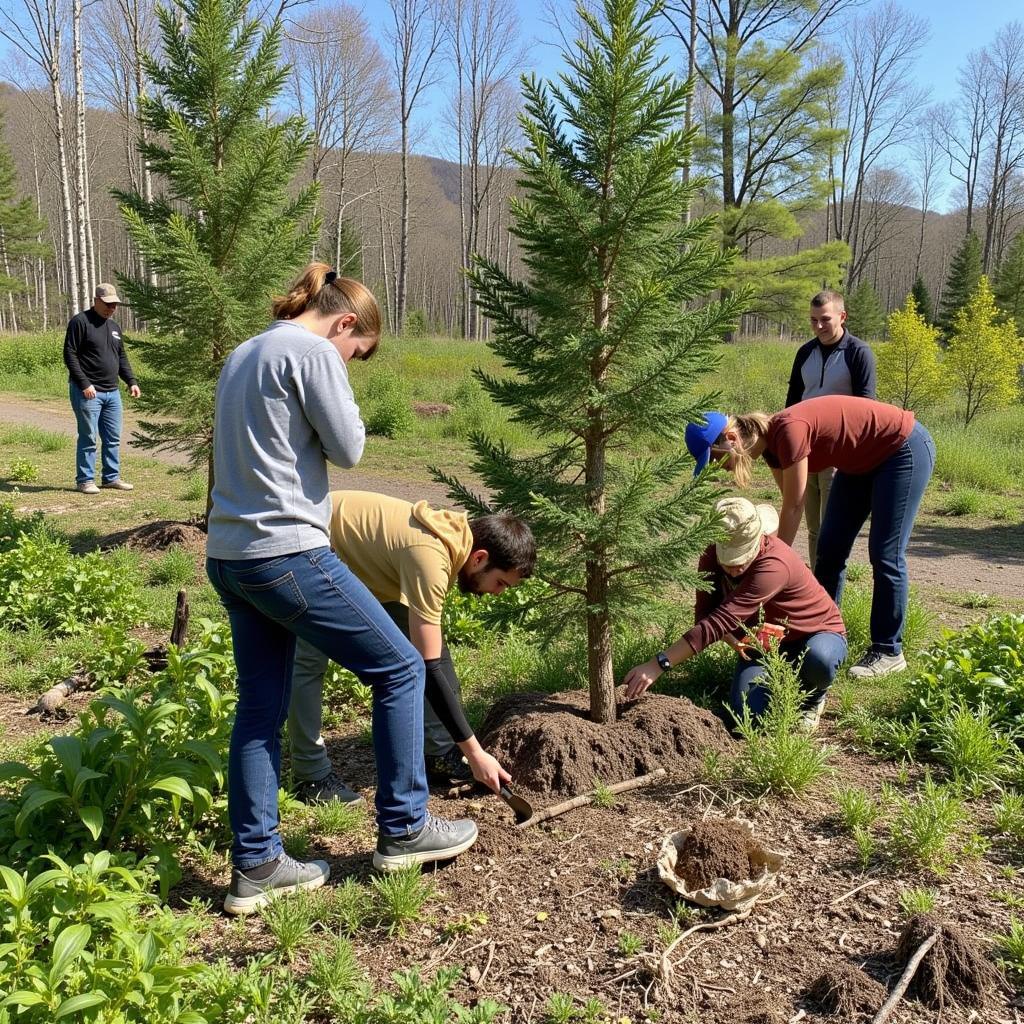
[778, 581]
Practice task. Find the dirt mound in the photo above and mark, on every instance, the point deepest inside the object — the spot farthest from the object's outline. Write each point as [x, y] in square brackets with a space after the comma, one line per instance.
[159, 536]
[717, 849]
[954, 970]
[549, 744]
[431, 410]
[846, 991]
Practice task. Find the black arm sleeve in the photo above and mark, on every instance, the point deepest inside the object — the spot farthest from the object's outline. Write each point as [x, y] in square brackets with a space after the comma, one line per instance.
[862, 372]
[124, 368]
[796, 381]
[444, 702]
[71, 340]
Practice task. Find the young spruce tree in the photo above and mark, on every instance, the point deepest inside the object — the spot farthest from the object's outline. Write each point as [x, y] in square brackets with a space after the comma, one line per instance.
[607, 335]
[923, 300]
[1008, 285]
[961, 282]
[225, 233]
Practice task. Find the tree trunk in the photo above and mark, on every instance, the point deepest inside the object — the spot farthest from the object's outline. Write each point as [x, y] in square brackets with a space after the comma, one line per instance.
[81, 170]
[691, 69]
[70, 258]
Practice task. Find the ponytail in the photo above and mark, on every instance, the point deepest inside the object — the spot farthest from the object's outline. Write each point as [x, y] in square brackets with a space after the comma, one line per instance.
[751, 428]
[320, 289]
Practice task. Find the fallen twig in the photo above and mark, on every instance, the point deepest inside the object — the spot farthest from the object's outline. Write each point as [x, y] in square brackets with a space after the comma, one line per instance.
[847, 895]
[50, 702]
[546, 813]
[490, 960]
[905, 979]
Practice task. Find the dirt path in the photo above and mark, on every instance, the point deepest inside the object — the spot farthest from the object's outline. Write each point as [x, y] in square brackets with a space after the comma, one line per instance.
[944, 555]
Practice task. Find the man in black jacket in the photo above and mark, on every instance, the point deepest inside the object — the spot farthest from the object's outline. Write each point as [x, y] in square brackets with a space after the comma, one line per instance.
[833, 362]
[95, 357]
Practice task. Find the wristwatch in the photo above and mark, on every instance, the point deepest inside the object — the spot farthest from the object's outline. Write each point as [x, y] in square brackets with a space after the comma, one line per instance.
[662, 659]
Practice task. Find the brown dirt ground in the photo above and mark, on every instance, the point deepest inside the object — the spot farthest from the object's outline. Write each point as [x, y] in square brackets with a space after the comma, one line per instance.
[546, 893]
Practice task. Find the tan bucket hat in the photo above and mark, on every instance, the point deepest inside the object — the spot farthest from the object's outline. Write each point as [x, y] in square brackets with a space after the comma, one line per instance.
[745, 524]
[107, 293]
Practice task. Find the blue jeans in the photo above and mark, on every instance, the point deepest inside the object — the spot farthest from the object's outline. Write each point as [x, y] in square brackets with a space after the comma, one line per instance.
[313, 595]
[100, 415]
[825, 653]
[891, 495]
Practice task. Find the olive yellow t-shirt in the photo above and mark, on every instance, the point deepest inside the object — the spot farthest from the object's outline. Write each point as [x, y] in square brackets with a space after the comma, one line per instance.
[404, 552]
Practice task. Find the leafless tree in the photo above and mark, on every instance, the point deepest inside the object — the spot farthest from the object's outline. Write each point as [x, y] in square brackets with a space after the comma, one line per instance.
[483, 42]
[926, 162]
[414, 37]
[38, 34]
[876, 107]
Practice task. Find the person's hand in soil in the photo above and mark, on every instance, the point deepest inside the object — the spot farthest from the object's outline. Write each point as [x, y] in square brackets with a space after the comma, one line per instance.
[486, 768]
[640, 678]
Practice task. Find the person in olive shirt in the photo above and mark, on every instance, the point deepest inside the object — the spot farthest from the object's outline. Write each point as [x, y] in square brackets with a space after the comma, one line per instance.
[409, 556]
[95, 357]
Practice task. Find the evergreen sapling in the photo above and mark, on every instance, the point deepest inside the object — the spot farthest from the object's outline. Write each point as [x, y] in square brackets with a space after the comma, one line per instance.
[607, 335]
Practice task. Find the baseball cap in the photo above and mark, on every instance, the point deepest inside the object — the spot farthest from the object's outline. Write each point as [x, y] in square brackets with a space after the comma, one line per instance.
[107, 293]
[701, 436]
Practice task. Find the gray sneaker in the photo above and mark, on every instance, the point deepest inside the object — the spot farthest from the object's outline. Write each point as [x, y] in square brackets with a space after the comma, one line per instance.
[119, 485]
[88, 487]
[439, 839]
[811, 716]
[875, 664]
[323, 791]
[247, 894]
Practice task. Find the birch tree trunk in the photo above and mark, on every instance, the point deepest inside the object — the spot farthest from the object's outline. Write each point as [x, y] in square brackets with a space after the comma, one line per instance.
[81, 167]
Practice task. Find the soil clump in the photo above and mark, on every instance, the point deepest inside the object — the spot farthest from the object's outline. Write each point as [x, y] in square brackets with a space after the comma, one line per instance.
[159, 536]
[549, 744]
[954, 970]
[846, 991]
[717, 849]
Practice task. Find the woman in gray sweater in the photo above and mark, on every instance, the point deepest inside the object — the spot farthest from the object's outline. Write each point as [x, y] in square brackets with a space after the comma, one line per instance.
[284, 407]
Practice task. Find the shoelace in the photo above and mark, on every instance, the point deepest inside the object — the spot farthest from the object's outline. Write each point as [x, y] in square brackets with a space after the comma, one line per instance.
[439, 824]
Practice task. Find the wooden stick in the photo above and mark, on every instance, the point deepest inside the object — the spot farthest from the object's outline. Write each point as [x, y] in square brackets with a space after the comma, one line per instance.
[181, 613]
[51, 701]
[545, 813]
[905, 979]
[847, 895]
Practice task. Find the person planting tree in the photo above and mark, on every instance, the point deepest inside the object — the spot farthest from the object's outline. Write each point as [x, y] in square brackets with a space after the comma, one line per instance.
[283, 407]
[883, 460]
[409, 556]
[755, 575]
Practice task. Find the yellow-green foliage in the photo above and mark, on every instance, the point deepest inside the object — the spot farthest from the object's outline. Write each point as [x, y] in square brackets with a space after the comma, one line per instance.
[984, 355]
[909, 373]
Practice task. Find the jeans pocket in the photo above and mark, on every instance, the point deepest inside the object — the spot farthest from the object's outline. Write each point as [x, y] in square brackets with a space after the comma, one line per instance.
[280, 599]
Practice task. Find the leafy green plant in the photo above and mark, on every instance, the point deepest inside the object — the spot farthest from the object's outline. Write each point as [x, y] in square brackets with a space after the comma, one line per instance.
[290, 920]
[964, 501]
[195, 487]
[389, 413]
[175, 566]
[867, 847]
[144, 766]
[351, 906]
[334, 818]
[336, 976]
[630, 943]
[400, 896]
[559, 1009]
[603, 796]
[924, 826]
[967, 742]
[1011, 947]
[777, 758]
[1008, 815]
[464, 924]
[917, 901]
[856, 807]
[23, 471]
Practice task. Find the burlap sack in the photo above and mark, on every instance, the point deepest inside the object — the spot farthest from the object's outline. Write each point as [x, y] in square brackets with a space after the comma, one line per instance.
[722, 892]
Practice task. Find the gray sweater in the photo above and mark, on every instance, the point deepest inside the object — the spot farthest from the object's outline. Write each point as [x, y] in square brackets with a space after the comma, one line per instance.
[284, 406]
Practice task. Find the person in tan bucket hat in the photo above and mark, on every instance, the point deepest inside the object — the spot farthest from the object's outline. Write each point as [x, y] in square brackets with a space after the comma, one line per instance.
[95, 357]
[753, 573]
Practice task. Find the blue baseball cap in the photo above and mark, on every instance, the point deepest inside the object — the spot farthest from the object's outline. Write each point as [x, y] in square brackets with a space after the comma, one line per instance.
[701, 436]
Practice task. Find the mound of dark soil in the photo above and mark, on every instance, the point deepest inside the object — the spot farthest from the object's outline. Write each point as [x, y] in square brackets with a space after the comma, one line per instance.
[549, 744]
[431, 410]
[159, 536]
[846, 991]
[954, 970]
[717, 848]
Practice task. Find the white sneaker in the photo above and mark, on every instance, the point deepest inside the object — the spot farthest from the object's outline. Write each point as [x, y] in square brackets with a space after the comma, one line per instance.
[89, 487]
[875, 664]
[119, 485]
[811, 717]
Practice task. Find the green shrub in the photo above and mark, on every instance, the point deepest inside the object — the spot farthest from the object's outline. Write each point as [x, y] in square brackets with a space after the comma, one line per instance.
[964, 501]
[23, 471]
[924, 827]
[856, 807]
[1008, 815]
[143, 768]
[967, 742]
[776, 757]
[1011, 947]
[856, 607]
[917, 901]
[386, 397]
[399, 897]
[175, 567]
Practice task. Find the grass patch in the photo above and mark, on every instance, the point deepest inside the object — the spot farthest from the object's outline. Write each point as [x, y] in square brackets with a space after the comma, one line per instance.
[399, 898]
[924, 827]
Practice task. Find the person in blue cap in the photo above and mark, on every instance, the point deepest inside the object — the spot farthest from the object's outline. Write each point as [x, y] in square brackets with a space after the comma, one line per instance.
[702, 437]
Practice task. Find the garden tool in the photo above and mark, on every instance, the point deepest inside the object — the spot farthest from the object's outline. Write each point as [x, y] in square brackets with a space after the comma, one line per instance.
[520, 807]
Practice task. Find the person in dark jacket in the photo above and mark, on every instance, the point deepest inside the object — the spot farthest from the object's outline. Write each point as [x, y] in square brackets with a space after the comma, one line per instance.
[95, 357]
[833, 362]
[754, 574]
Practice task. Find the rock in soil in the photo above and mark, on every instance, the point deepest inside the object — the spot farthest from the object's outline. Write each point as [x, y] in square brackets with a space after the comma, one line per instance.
[846, 991]
[717, 848]
[549, 744]
[954, 970]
